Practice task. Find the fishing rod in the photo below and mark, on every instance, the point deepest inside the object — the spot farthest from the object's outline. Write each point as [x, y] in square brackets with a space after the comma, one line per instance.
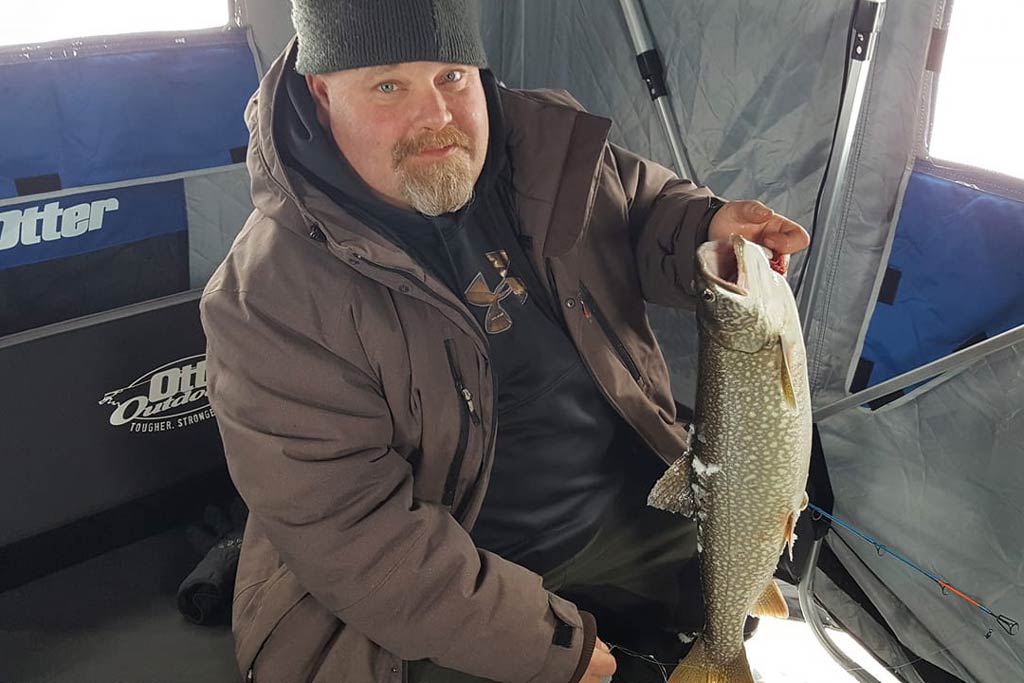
[1009, 625]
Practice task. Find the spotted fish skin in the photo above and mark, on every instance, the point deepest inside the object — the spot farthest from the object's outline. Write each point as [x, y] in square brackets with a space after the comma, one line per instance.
[750, 452]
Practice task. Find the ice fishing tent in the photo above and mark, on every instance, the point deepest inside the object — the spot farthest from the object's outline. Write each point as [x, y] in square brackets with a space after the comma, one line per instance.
[914, 260]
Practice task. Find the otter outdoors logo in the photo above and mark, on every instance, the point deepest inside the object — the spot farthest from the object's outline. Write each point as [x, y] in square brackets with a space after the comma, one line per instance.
[170, 397]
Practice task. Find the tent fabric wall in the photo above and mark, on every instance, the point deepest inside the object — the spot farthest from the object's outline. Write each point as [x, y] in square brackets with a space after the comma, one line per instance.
[952, 279]
[115, 247]
[125, 113]
[938, 478]
[101, 188]
[935, 475]
[218, 205]
[270, 25]
[753, 85]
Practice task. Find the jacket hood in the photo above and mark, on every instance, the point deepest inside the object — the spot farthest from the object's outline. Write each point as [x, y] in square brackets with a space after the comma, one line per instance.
[555, 148]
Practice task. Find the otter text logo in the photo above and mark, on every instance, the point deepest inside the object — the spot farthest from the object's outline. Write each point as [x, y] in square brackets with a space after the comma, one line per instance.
[50, 222]
[170, 397]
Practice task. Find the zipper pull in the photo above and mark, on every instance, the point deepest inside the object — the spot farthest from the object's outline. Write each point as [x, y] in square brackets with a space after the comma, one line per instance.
[467, 395]
[583, 305]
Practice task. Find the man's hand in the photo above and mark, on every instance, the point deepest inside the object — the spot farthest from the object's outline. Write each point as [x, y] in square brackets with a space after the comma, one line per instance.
[602, 665]
[757, 223]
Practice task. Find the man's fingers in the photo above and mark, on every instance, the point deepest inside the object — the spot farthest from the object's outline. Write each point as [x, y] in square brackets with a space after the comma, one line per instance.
[602, 664]
[784, 236]
[755, 211]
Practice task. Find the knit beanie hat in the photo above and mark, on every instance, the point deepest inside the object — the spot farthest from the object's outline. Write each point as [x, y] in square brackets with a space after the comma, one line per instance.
[348, 34]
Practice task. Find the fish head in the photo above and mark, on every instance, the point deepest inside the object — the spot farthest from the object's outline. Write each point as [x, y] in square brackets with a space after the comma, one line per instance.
[740, 298]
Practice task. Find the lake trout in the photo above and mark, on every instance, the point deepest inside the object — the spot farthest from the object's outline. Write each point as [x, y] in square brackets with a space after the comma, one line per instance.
[745, 474]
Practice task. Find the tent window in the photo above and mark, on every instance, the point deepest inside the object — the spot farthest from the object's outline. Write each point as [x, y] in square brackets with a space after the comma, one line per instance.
[977, 116]
[26, 22]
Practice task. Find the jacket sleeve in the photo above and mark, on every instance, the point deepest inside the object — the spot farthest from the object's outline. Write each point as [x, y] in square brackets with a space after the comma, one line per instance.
[307, 433]
[668, 220]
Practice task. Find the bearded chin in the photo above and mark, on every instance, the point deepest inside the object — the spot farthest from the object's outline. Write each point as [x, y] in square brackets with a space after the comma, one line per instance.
[438, 187]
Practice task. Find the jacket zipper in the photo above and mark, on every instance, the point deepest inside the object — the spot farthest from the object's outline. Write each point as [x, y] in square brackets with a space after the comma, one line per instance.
[475, 326]
[468, 412]
[590, 306]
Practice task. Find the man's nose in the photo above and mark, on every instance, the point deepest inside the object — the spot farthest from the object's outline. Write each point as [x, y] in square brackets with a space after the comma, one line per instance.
[433, 110]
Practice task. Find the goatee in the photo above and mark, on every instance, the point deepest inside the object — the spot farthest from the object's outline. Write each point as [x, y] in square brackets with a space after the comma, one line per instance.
[436, 187]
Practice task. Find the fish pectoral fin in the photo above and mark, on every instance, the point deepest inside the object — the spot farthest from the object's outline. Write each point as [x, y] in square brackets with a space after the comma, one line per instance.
[698, 667]
[804, 502]
[672, 492]
[771, 603]
[786, 375]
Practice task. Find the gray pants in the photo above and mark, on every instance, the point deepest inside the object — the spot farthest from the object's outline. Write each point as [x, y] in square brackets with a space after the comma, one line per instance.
[639, 577]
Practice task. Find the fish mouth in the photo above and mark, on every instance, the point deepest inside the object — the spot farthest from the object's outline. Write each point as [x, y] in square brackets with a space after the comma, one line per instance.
[722, 263]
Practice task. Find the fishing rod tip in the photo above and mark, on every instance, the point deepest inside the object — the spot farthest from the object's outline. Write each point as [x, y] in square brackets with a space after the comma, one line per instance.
[1008, 624]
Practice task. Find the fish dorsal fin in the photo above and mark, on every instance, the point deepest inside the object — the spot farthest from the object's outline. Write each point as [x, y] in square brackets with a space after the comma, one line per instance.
[786, 375]
[771, 603]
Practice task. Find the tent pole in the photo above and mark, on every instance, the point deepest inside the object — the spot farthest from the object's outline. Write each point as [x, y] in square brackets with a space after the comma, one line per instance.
[865, 26]
[653, 72]
[813, 618]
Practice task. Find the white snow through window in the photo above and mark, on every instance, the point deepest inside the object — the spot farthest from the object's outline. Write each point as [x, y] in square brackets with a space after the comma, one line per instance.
[979, 109]
[26, 22]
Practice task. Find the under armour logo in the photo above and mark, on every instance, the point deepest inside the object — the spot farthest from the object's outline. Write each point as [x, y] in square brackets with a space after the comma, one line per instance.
[479, 294]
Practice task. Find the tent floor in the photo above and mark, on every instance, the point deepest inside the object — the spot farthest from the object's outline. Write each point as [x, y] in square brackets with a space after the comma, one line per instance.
[112, 619]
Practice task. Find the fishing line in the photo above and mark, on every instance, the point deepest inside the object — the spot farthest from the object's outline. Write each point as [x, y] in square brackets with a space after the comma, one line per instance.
[1009, 625]
[649, 659]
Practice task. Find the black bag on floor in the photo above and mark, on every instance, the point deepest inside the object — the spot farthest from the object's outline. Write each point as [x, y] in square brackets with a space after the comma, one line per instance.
[205, 595]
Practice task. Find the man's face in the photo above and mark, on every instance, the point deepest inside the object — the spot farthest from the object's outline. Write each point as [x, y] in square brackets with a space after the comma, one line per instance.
[416, 132]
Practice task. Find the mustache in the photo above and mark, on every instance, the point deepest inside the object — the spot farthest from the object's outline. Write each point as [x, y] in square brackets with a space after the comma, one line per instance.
[446, 137]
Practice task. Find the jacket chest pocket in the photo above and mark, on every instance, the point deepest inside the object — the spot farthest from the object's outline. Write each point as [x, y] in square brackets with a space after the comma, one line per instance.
[469, 418]
[591, 312]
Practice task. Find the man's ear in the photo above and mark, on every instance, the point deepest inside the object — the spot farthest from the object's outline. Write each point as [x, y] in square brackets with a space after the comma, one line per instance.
[322, 97]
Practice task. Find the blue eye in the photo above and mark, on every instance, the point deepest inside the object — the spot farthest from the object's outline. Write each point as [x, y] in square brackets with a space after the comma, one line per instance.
[387, 88]
[453, 76]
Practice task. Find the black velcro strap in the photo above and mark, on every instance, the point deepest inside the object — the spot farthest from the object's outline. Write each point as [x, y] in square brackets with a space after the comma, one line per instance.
[888, 398]
[862, 375]
[563, 635]
[980, 337]
[238, 154]
[890, 283]
[37, 184]
[936, 49]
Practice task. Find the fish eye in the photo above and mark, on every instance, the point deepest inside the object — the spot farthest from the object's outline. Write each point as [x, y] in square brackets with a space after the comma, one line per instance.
[708, 295]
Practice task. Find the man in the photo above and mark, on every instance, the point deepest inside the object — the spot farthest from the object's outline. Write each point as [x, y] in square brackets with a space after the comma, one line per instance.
[436, 384]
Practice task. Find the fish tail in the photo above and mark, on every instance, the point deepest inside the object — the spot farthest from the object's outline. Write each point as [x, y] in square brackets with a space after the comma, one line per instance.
[697, 667]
